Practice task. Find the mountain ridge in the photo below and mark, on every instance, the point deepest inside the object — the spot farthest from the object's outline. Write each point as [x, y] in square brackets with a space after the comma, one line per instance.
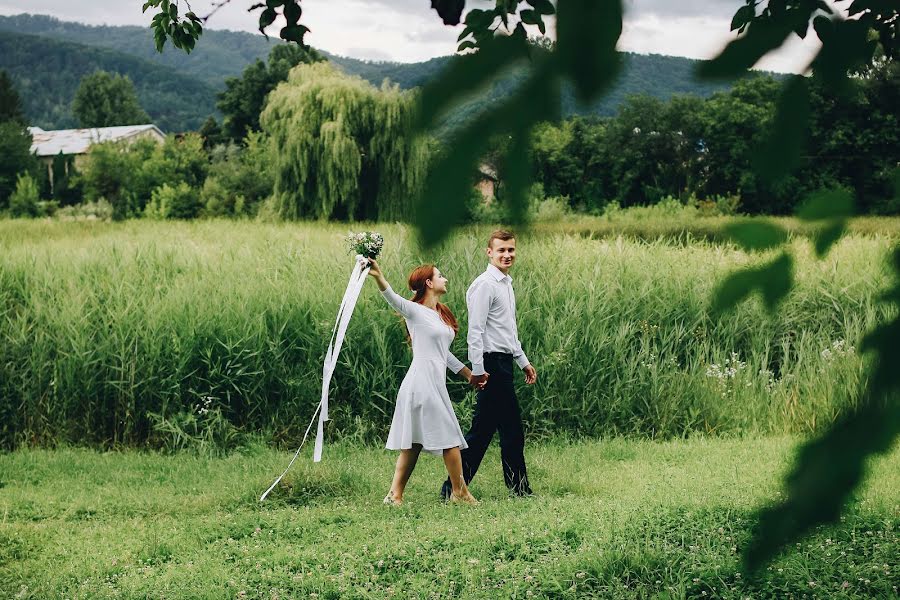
[221, 54]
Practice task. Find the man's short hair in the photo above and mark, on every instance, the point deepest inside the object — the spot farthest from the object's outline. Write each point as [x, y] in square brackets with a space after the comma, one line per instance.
[502, 235]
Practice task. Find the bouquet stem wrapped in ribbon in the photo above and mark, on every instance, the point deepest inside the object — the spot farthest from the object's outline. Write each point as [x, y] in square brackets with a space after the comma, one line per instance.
[365, 245]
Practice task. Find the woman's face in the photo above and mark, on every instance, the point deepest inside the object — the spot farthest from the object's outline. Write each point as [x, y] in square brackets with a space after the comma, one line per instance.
[438, 282]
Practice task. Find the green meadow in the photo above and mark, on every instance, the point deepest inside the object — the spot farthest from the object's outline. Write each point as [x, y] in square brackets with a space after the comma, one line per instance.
[611, 519]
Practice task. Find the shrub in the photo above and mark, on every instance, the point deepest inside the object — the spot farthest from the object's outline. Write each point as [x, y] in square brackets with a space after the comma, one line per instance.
[215, 199]
[101, 210]
[552, 209]
[242, 178]
[24, 200]
[179, 202]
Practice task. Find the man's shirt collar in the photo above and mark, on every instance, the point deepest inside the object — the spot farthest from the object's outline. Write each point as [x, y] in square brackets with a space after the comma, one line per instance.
[497, 273]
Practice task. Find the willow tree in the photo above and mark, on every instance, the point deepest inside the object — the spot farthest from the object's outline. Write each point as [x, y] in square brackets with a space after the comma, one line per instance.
[341, 147]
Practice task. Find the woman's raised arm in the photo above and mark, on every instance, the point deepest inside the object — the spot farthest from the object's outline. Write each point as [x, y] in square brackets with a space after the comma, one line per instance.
[401, 305]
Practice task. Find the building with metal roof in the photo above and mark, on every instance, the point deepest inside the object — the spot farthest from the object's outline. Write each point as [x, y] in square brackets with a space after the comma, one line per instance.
[79, 141]
[74, 144]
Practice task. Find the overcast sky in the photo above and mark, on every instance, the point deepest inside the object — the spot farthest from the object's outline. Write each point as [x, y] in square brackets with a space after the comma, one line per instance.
[409, 31]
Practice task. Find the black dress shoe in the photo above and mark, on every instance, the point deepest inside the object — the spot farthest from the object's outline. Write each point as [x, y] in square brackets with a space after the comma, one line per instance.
[446, 489]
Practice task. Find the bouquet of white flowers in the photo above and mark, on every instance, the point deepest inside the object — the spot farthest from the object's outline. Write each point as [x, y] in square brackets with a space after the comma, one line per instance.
[367, 243]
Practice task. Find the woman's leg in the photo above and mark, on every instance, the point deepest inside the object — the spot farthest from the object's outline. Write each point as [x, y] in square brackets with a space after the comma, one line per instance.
[453, 462]
[406, 462]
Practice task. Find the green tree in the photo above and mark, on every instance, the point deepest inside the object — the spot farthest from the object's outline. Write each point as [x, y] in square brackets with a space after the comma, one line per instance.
[244, 98]
[652, 148]
[15, 141]
[240, 178]
[105, 100]
[10, 102]
[212, 134]
[15, 148]
[108, 173]
[734, 124]
[572, 159]
[341, 147]
[179, 159]
[174, 202]
[24, 200]
[66, 184]
[854, 139]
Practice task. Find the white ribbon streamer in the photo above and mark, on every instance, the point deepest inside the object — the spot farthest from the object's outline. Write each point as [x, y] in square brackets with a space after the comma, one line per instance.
[345, 311]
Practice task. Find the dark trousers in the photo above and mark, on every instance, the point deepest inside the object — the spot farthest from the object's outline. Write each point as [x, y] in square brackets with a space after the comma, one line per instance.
[497, 410]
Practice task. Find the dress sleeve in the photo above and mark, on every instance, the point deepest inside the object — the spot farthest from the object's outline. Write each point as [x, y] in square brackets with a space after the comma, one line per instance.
[453, 363]
[403, 306]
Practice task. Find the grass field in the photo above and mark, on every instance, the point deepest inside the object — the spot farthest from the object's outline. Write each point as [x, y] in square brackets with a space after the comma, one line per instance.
[611, 519]
[114, 334]
[207, 338]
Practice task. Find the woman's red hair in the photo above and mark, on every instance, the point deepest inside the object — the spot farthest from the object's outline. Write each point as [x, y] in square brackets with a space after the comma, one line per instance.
[417, 284]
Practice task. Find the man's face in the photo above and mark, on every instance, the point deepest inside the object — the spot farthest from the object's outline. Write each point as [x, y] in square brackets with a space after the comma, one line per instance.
[502, 253]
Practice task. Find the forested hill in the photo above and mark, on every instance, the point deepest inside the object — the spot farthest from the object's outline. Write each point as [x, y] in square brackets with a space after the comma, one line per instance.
[178, 90]
[47, 72]
[219, 54]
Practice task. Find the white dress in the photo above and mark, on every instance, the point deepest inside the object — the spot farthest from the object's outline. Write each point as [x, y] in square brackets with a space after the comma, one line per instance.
[423, 414]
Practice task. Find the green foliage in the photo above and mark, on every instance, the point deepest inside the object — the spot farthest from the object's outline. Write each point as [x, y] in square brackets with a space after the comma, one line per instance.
[127, 174]
[240, 178]
[185, 31]
[690, 146]
[105, 100]
[341, 148]
[24, 200]
[179, 202]
[10, 102]
[67, 187]
[212, 135]
[108, 174]
[244, 98]
[204, 430]
[101, 210]
[166, 24]
[15, 150]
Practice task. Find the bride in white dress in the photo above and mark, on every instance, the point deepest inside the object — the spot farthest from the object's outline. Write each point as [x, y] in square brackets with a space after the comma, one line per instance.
[424, 417]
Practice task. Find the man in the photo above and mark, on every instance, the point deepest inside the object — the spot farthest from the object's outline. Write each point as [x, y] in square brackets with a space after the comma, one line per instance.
[493, 348]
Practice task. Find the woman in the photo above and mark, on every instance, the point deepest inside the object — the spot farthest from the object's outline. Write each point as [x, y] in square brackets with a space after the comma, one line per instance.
[424, 417]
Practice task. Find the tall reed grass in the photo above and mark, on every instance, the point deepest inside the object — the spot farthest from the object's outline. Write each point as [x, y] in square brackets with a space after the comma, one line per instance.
[113, 334]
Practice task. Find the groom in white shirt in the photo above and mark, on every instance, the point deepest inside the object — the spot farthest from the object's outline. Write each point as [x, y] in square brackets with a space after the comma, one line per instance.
[493, 348]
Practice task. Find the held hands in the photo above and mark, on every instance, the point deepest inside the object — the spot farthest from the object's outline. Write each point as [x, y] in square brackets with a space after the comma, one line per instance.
[479, 381]
[530, 374]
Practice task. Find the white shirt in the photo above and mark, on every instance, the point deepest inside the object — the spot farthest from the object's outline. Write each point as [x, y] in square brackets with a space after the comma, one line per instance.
[492, 319]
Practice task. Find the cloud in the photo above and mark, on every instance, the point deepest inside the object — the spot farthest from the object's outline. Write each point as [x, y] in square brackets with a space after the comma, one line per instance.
[662, 9]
